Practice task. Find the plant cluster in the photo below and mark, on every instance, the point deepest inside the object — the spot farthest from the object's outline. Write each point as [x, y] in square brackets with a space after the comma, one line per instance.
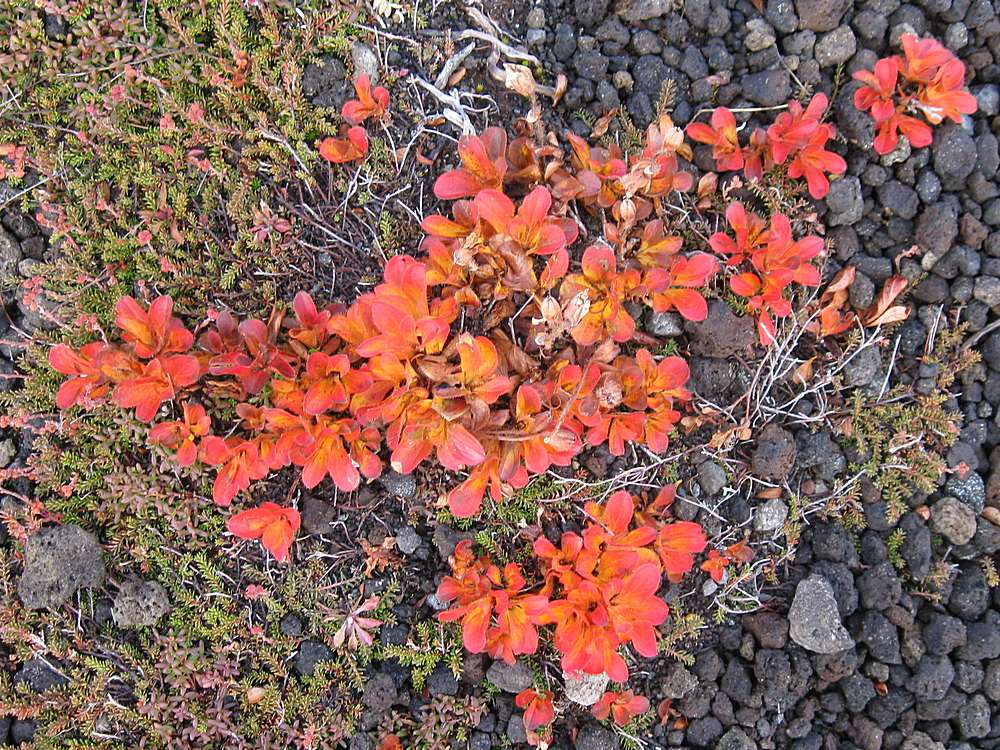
[798, 137]
[353, 144]
[326, 389]
[926, 79]
[598, 593]
[772, 260]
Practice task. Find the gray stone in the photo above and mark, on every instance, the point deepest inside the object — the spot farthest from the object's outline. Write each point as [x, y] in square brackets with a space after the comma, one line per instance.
[535, 38]
[139, 603]
[768, 88]
[935, 232]
[39, 675]
[921, 741]
[956, 36]
[845, 202]
[991, 681]
[982, 640]
[664, 323]
[987, 290]
[592, 65]
[880, 636]
[590, 12]
[899, 154]
[442, 681]
[900, 199]
[400, 485]
[973, 718]
[678, 681]
[10, 254]
[407, 540]
[516, 733]
[821, 15]
[759, 35]
[585, 689]
[970, 594]
[770, 516]
[645, 42]
[836, 47]
[511, 678]
[781, 14]
[943, 634]
[932, 678]
[312, 653]
[722, 333]
[736, 739]
[7, 452]
[819, 452]
[864, 368]
[704, 732]
[711, 478]
[774, 455]
[379, 693]
[954, 155]
[593, 736]
[987, 99]
[643, 10]
[954, 520]
[879, 587]
[364, 60]
[857, 690]
[324, 82]
[969, 490]
[317, 515]
[814, 621]
[565, 42]
[769, 628]
[57, 562]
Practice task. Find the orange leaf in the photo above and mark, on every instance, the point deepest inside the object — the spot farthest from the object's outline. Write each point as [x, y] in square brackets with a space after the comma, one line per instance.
[273, 525]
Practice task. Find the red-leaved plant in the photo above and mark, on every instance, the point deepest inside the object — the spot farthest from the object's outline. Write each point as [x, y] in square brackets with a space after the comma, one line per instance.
[598, 594]
[336, 391]
[926, 79]
[798, 136]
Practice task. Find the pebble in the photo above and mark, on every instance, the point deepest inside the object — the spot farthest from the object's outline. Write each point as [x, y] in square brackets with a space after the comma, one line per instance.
[7, 452]
[407, 540]
[770, 516]
[585, 689]
[511, 678]
[57, 562]
[970, 490]
[954, 520]
[814, 621]
[821, 15]
[768, 88]
[665, 324]
[954, 155]
[836, 47]
[365, 60]
[845, 202]
[759, 35]
[400, 485]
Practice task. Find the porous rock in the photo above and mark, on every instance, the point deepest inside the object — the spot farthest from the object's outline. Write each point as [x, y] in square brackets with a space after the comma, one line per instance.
[814, 621]
[58, 561]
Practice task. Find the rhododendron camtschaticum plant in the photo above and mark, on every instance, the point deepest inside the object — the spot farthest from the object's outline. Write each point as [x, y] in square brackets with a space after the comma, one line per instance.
[798, 137]
[370, 103]
[775, 259]
[599, 592]
[336, 391]
[926, 79]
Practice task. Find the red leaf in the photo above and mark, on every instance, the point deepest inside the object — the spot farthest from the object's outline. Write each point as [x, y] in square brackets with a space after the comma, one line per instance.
[273, 525]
